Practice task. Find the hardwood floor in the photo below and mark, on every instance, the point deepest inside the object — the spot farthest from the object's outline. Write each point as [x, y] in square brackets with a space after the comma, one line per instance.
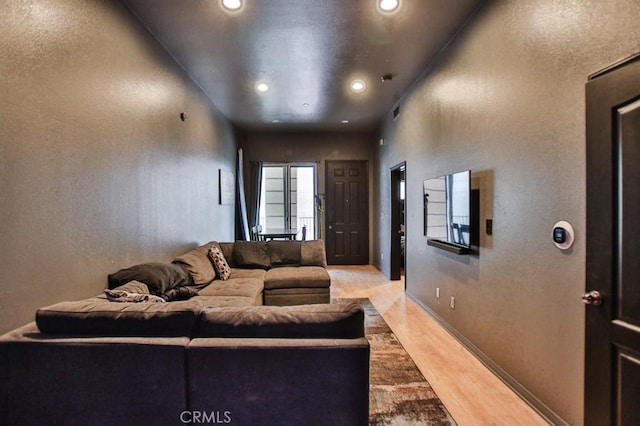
[472, 394]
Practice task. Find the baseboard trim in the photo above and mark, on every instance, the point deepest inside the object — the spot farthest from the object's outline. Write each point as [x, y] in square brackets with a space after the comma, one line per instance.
[541, 408]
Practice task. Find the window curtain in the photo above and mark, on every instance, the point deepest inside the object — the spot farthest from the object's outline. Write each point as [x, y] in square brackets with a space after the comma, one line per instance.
[253, 192]
[242, 227]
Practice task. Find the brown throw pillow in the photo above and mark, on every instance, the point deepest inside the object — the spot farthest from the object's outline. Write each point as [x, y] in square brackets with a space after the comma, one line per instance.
[219, 263]
[197, 263]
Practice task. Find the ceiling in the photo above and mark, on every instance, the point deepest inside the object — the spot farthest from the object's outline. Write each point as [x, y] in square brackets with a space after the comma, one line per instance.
[307, 51]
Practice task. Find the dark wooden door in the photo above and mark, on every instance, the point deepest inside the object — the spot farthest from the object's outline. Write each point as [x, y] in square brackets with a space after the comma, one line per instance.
[347, 213]
[396, 258]
[612, 358]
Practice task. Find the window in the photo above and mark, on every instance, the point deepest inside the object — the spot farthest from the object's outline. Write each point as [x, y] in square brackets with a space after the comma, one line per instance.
[287, 198]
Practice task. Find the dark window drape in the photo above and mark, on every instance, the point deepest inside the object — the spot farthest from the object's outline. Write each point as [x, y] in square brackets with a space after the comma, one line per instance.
[242, 227]
[253, 192]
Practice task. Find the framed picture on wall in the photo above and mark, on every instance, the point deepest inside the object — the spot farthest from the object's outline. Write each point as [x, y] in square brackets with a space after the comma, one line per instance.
[226, 187]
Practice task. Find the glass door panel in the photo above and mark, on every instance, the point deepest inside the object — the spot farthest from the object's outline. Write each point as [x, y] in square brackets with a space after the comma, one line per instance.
[287, 198]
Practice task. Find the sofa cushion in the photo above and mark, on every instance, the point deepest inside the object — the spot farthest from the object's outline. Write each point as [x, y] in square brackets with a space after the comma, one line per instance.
[245, 287]
[97, 316]
[296, 296]
[248, 273]
[312, 253]
[198, 264]
[296, 277]
[338, 321]
[220, 301]
[159, 277]
[227, 250]
[284, 253]
[250, 254]
[219, 263]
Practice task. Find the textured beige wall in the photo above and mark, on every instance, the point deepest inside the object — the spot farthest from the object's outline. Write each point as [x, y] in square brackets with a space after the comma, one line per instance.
[98, 171]
[506, 99]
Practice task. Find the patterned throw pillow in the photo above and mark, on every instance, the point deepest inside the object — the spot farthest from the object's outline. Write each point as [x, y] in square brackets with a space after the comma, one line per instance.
[219, 263]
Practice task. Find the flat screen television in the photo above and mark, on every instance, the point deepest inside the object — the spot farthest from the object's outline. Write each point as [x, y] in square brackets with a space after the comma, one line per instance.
[447, 212]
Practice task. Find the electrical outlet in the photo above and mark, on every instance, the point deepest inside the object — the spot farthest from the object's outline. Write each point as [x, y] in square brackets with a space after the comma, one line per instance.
[438, 293]
[453, 302]
[381, 256]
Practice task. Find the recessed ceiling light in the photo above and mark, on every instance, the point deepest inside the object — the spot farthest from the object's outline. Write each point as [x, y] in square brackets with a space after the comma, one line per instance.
[306, 104]
[389, 5]
[262, 87]
[345, 121]
[358, 86]
[275, 121]
[232, 4]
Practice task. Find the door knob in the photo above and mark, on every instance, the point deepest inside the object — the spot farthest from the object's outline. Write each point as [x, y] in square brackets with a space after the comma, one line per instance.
[592, 298]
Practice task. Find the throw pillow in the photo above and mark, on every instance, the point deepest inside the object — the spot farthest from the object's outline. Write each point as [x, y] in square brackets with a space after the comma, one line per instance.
[197, 263]
[219, 263]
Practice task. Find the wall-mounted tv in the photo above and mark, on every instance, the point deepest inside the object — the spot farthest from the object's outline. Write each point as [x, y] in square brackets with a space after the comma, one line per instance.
[447, 212]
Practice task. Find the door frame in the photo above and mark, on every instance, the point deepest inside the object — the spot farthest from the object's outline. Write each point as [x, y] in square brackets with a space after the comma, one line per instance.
[397, 213]
[602, 91]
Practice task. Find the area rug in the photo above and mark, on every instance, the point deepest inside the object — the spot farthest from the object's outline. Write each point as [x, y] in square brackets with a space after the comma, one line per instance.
[398, 392]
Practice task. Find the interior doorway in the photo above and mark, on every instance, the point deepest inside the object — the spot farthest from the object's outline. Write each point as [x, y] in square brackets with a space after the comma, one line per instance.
[398, 222]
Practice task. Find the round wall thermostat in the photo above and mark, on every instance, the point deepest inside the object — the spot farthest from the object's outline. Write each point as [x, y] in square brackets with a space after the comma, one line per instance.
[563, 235]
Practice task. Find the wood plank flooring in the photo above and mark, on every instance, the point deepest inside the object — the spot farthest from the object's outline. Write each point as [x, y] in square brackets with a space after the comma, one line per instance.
[472, 394]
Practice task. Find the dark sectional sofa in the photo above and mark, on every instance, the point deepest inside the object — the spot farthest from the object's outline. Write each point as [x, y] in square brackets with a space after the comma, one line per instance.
[219, 357]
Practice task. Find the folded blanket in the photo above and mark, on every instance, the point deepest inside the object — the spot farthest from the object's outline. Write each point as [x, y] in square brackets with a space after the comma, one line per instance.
[125, 296]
